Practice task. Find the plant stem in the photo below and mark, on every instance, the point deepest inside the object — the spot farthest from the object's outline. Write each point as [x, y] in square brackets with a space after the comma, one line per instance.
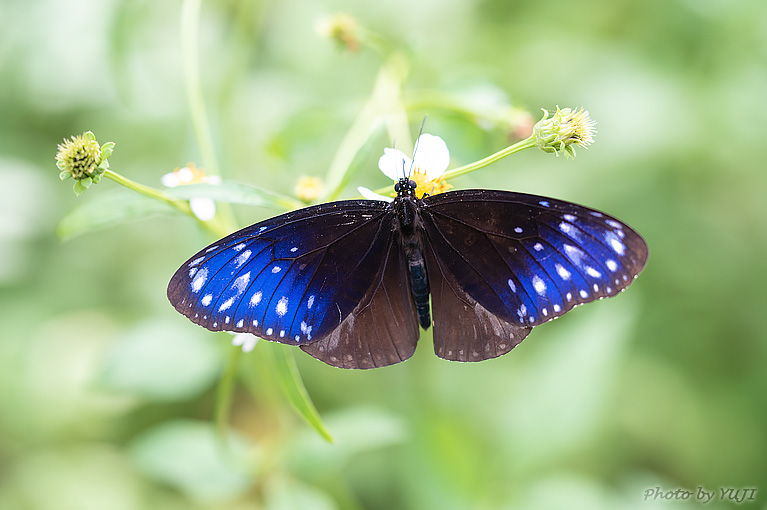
[180, 205]
[527, 143]
[190, 19]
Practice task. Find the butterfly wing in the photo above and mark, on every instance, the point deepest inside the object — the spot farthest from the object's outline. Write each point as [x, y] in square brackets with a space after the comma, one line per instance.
[464, 330]
[382, 329]
[295, 278]
[526, 259]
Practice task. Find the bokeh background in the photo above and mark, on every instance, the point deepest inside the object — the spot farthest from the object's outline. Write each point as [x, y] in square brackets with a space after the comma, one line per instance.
[107, 395]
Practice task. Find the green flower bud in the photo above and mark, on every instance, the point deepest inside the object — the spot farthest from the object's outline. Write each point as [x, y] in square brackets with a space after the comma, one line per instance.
[82, 159]
[566, 128]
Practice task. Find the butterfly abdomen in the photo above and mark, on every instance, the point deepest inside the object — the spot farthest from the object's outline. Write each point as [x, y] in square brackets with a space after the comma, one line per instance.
[405, 208]
[419, 281]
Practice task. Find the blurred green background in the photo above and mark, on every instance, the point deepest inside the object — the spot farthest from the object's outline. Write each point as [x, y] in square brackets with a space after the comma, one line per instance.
[107, 394]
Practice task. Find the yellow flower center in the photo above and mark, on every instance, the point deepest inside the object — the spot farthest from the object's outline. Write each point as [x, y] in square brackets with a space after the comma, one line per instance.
[426, 186]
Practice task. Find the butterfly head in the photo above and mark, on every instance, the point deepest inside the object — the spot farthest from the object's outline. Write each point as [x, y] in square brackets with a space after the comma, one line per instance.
[405, 187]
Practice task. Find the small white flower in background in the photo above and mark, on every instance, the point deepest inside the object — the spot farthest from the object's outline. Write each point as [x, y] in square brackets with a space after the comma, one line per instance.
[202, 207]
[246, 340]
[430, 160]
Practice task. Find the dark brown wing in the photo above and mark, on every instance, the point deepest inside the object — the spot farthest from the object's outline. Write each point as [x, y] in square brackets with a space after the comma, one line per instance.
[383, 329]
[464, 330]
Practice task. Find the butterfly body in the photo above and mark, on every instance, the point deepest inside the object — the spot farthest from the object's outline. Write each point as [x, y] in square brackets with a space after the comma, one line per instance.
[349, 282]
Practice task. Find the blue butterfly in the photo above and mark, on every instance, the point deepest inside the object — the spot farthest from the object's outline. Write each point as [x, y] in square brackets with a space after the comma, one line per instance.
[349, 282]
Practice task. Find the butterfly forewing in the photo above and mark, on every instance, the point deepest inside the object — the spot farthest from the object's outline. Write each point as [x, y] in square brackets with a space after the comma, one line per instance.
[292, 278]
[529, 259]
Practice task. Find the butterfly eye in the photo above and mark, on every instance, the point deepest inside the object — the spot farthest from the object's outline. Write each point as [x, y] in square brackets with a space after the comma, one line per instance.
[397, 187]
[412, 184]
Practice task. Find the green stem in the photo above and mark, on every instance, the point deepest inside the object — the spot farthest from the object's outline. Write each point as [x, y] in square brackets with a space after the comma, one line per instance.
[225, 392]
[190, 22]
[384, 104]
[190, 19]
[527, 143]
[180, 205]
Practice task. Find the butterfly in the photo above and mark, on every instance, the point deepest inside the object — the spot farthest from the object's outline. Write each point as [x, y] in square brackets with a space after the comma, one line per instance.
[350, 282]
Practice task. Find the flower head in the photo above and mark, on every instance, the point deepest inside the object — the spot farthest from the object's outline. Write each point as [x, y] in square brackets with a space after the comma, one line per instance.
[430, 160]
[567, 127]
[202, 207]
[82, 159]
[308, 189]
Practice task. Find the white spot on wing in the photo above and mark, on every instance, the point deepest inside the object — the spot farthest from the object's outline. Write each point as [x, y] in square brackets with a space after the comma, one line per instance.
[518, 230]
[282, 306]
[615, 243]
[562, 272]
[538, 246]
[570, 230]
[584, 294]
[294, 249]
[544, 203]
[276, 269]
[593, 272]
[240, 323]
[310, 302]
[614, 224]
[206, 299]
[200, 279]
[196, 261]
[241, 283]
[539, 286]
[574, 254]
[611, 265]
[512, 286]
[226, 304]
[239, 247]
[255, 299]
[269, 331]
[557, 308]
[242, 258]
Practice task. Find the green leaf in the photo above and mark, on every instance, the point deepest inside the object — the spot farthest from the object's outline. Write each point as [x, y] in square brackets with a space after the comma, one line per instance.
[235, 193]
[107, 149]
[189, 456]
[79, 188]
[108, 209]
[293, 386]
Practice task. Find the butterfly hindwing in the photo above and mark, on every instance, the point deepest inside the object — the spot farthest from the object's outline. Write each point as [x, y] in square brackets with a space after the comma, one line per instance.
[382, 329]
[292, 278]
[529, 259]
[464, 330]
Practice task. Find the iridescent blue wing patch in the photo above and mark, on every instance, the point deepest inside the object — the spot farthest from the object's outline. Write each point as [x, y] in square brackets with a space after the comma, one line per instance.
[528, 259]
[291, 279]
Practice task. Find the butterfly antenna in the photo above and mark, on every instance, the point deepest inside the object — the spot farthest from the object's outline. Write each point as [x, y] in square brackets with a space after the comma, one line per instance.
[415, 149]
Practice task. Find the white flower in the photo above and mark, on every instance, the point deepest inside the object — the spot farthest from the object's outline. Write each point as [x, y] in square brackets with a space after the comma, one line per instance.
[246, 340]
[202, 207]
[430, 160]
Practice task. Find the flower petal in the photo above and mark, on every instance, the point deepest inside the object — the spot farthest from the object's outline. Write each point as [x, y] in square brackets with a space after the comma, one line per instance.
[246, 340]
[394, 163]
[372, 195]
[170, 180]
[203, 207]
[431, 155]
